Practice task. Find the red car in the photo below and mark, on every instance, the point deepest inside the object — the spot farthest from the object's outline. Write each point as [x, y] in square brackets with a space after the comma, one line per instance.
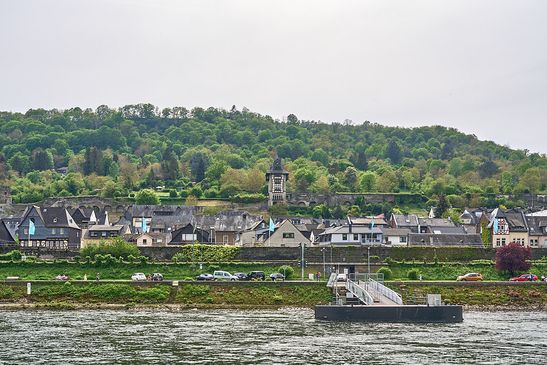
[525, 277]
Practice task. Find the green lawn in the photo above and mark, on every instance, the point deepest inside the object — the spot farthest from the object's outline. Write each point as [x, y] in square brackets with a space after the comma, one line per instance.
[48, 271]
[452, 271]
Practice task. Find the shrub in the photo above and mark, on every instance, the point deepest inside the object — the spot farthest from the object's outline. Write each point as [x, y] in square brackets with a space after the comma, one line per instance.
[116, 247]
[14, 255]
[287, 270]
[147, 197]
[388, 274]
[206, 253]
[172, 193]
[413, 274]
[374, 258]
[513, 258]
[248, 198]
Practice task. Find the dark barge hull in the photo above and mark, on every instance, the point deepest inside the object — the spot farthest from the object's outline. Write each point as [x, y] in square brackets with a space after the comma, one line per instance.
[390, 313]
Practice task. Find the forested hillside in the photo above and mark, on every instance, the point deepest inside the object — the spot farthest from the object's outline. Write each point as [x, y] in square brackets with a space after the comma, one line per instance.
[219, 153]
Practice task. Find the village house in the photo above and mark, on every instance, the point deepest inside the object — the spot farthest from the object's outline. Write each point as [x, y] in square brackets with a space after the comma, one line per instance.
[350, 235]
[6, 237]
[103, 231]
[54, 229]
[537, 231]
[507, 227]
[151, 239]
[396, 236]
[444, 240]
[405, 221]
[189, 234]
[285, 235]
[226, 227]
[157, 218]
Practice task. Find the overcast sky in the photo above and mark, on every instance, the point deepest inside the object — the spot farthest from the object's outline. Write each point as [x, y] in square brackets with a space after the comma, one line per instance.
[479, 66]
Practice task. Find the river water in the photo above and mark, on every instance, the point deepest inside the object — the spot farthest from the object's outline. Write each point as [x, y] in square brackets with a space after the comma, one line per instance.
[284, 336]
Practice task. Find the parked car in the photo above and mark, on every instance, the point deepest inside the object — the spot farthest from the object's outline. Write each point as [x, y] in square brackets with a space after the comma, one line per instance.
[341, 277]
[241, 276]
[277, 276]
[138, 277]
[205, 277]
[472, 276]
[223, 275]
[525, 277]
[256, 275]
[157, 277]
[62, 277]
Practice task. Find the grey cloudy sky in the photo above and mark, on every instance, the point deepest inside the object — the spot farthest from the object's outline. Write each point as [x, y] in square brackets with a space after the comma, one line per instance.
[479, 66]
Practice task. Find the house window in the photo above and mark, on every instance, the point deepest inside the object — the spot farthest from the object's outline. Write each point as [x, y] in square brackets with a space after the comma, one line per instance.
[53, 231]
[355, 237]
[344, 237]
[159, 240]
[288, 235]
[103, 234]
[225, 239]
[144, 241]
[402, 239]
[25, 231]
[61, 231]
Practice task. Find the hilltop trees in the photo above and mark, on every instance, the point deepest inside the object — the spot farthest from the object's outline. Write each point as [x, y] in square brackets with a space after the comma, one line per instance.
[227, 152]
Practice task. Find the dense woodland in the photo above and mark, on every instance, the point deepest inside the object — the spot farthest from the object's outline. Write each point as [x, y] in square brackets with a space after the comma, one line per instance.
[217, 153]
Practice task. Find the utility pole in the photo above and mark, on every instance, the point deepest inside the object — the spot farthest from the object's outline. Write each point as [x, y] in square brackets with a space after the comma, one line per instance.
[368, 260]
[302, 244]
[324, 265]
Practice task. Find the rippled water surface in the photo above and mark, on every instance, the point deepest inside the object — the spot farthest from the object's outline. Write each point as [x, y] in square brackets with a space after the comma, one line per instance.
[285, 336]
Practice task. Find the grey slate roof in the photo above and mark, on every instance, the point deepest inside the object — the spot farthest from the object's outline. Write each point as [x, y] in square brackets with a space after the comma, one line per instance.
[429, 239]
[53, 217]
[405, 220]
[228, 221]
[396, 231]
[537, 225]
[436, 222]
[5, 234]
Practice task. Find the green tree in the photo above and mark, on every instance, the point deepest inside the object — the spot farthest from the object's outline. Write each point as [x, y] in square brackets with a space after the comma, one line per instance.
[368, 182]
[199, 162]
[20, 163]
[393, 152]
[442, 206]
[42, 160]
[147, 197]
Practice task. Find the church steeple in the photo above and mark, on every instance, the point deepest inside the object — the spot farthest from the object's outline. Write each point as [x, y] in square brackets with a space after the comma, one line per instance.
[277, 178]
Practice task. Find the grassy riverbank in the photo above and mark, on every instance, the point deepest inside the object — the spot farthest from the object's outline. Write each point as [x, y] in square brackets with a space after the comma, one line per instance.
[59, 295]
[247, 294]
[524, 296]
[48, 270]
[121, 271]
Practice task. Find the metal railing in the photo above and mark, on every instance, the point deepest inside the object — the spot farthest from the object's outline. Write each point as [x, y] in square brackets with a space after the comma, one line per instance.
[359, 292]
[381, 289]
[379, 277]
[332, 280]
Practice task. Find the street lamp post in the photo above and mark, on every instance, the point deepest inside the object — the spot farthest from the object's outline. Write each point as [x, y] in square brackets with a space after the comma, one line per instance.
[324, 265]
[368, 259]
[302, 244]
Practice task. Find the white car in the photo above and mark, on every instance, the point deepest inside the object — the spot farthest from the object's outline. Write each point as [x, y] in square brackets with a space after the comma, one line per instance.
[224, 275]
[342, 277]
[138, 277]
